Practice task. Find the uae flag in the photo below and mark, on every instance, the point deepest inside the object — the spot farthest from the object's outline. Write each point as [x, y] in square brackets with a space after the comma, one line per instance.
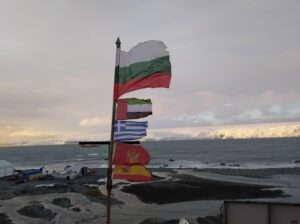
[133, 108]
[130, 154]
[131, 173]
[147, 65]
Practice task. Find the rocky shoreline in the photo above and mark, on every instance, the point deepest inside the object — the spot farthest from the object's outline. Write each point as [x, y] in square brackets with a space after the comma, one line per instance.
[80, 200]
[189, 188]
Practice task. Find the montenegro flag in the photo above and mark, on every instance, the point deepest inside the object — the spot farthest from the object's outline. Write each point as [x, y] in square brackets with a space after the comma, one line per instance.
[131, 173]
[129, 154]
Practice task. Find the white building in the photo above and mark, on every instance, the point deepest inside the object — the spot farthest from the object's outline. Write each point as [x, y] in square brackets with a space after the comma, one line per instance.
[62, 171]
[6, 168]
[260, 212]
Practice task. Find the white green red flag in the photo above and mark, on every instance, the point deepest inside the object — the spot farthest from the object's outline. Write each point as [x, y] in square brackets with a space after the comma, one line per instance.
[133, 108]
[147, 65]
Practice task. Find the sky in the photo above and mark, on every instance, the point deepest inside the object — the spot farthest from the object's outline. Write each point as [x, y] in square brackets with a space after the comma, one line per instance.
[234, 64]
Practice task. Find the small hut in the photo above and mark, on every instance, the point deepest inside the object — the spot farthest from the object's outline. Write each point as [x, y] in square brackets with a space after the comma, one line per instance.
[6, 168]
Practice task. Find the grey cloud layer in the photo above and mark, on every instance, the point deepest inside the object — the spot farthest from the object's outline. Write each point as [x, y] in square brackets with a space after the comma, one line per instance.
[233, 62]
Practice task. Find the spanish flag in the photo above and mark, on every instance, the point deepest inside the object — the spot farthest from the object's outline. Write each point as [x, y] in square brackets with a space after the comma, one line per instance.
[130, 154]
[132, 173]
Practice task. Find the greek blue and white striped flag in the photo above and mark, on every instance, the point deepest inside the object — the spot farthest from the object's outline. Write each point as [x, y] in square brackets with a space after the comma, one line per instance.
[130, 130]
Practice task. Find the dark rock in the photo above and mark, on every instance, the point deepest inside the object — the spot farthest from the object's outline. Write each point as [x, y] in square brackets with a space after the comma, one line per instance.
[57, 188]
[234, 165]
[172, 221]
[190, 188]
[37, 211]
[222, 164]
[62, 202]
[76, 209]
[4, 219]
[159, 221]
[297, 161]
[171, 160]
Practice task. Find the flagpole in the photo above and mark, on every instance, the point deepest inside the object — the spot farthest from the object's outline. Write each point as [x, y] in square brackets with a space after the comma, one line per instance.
[111, 145]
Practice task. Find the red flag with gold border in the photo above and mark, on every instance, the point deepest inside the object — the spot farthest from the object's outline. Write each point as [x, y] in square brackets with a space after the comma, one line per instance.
[130, 154]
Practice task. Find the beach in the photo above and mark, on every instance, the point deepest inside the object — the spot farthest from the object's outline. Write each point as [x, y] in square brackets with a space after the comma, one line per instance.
[190, 179]
[172, 194]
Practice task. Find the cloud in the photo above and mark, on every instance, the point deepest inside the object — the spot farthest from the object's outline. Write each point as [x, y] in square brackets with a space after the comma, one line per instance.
[276, 109]
[29, 133]
[232, 63]
[206, 117]
[294, 111]
[94, 121]
[30, 137]
[250, 114]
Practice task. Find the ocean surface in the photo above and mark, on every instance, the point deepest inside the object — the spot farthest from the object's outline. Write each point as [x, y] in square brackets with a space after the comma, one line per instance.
[246, 153]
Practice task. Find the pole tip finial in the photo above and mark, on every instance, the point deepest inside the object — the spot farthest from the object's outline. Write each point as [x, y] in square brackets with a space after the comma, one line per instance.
[118, 42]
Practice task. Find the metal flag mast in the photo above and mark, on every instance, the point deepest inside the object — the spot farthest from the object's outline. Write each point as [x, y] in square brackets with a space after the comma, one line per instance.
[112, 141]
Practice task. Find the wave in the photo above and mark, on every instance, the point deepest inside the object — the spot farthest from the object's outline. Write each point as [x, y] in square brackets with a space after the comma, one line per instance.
[93, 154]
[176, 164]
[200, 165]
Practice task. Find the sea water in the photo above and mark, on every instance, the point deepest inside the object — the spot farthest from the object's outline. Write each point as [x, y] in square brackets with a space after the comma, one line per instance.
[232, 153]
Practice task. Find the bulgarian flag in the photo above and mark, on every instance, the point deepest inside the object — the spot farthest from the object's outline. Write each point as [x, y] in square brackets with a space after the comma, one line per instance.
[147, 65]
[133, 108]
[131, 173]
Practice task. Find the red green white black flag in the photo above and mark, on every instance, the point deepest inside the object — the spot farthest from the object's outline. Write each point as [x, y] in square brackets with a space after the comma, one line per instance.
[133, 108]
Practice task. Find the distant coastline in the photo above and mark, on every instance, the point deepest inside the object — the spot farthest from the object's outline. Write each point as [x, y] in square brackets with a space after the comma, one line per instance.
[24, 144]
[237, 131]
